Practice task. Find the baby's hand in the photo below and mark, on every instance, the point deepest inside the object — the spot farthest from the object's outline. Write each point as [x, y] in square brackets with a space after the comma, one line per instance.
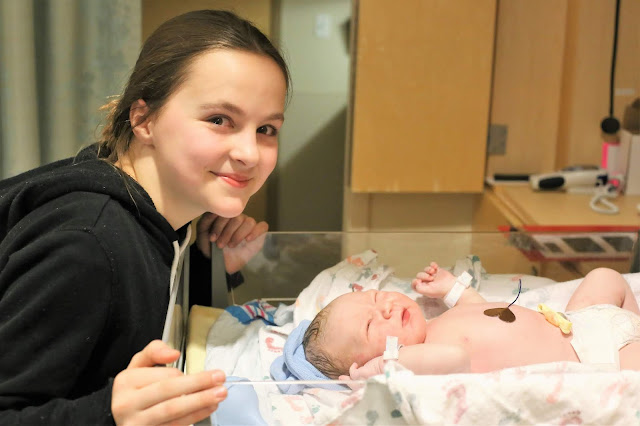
[433, 282]
[372, 368]
[353, 384]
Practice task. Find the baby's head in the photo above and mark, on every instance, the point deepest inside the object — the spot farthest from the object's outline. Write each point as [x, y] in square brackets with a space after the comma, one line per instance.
[354, 328]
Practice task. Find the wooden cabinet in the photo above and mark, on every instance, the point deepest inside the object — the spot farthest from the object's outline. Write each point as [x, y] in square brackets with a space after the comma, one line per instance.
[421, 95]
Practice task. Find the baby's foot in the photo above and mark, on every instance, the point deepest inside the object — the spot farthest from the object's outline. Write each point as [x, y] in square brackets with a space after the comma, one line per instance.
[433, 282]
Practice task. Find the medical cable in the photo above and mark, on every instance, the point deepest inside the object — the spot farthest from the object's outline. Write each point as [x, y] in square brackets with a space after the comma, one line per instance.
[602, 196]
[301, 382]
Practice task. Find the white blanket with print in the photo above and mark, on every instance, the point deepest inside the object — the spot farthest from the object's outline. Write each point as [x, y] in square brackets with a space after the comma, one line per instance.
[562, 393]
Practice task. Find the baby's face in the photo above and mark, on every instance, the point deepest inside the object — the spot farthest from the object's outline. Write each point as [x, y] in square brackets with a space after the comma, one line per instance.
[359, 323]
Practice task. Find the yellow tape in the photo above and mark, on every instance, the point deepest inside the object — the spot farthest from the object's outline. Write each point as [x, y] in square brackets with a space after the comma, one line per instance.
[556, 318]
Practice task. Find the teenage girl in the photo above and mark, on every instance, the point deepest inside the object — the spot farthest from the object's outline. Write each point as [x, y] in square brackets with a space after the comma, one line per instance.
[89, 245]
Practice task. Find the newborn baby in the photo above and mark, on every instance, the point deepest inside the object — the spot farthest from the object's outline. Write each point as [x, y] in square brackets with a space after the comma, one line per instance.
[348, 337]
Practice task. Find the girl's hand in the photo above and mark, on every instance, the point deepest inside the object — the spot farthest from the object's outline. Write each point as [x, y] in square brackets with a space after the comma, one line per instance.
[227, 232]
[241, 238]
[146, 393]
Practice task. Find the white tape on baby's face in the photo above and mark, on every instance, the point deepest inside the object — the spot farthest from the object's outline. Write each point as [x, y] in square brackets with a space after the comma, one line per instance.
[391, 351]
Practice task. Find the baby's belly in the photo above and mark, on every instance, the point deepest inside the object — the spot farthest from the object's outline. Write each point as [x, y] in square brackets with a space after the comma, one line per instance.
[494, 344]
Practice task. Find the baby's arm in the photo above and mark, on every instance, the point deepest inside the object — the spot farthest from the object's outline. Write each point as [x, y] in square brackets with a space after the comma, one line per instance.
[423, 358]
[435, 358]
[435, 283]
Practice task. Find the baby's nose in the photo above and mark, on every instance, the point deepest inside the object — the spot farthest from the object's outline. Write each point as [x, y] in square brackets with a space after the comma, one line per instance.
[386, 309]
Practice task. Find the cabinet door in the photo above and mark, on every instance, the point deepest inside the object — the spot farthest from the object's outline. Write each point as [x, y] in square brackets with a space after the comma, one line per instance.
[421, 97]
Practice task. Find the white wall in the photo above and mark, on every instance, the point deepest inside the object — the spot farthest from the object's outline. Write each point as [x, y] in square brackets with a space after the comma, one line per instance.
[308, 182]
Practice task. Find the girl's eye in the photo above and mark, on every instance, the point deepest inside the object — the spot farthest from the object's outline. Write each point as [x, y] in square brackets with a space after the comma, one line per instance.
[268, 130]
[219, 120]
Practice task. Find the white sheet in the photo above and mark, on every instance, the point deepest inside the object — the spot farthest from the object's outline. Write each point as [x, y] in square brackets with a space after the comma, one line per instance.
[555, 393]
[551, 393]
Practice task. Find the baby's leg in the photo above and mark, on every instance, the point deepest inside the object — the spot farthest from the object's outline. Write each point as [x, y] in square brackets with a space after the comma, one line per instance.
[630, 356]
[603, 286]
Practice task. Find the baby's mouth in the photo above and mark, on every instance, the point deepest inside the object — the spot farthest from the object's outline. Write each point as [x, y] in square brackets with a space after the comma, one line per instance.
[405, 317]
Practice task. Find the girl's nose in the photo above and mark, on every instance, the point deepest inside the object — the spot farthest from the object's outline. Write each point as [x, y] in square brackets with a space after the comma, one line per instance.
[245, 148]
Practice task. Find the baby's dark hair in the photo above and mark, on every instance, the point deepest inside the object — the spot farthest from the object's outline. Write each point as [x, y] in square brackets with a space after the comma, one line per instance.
[312, 342]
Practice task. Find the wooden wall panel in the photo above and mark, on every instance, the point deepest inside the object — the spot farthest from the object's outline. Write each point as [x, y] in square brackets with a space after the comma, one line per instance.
[551, 81]
[422, 92]
[585, 90]
[155, 12]
[527, 83]
[628, 63]
[587, 70]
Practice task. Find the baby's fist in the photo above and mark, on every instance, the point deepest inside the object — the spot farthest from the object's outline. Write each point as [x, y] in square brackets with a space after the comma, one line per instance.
[433, 282]
[372, 368]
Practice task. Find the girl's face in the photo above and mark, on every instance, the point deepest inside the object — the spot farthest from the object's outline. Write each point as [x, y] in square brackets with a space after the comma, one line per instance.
[215, 141]
[359, 323]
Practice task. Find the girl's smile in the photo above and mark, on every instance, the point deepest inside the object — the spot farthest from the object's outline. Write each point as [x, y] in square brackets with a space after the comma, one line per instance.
[236, 181]
[215, 141]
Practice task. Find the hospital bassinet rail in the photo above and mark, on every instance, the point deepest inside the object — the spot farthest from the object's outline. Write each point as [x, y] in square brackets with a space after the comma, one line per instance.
[288, 261]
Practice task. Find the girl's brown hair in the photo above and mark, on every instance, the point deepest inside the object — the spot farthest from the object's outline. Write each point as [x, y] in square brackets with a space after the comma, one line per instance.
[163, 64]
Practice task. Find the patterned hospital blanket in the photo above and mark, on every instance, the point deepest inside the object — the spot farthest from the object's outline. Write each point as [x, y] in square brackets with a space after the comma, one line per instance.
[555, 393]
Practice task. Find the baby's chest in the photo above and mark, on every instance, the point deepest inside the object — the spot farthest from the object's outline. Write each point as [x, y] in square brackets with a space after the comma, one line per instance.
[476, 330]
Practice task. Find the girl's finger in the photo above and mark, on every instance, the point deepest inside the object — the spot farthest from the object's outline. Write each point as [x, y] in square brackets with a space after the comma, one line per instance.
[259, 229]
[185, 406]
[218, 227]
[165, 390]
[141, 377]
[242, 231]
[230, 227]
[205, 222]
[193, 418]
[155, 353]
[203, 233]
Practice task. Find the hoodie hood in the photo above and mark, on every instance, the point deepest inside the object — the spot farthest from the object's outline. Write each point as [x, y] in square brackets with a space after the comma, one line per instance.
[28, 191]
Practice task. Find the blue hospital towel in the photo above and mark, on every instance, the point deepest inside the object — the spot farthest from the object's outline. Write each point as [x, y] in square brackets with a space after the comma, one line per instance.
[256, 309]
[292, 364]
[241, 406]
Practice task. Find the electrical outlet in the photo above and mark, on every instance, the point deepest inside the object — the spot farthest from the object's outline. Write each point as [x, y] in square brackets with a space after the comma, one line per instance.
[322, 27]
[497, 139]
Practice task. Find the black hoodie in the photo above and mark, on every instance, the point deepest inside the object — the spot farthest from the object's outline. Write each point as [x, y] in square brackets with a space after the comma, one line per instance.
[85, 263]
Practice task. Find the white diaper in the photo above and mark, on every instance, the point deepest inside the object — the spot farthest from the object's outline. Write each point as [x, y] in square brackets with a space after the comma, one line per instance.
[600, 331]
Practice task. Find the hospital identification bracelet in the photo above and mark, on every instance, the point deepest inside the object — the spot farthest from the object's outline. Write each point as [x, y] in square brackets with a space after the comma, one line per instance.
[392, 348]
[462, 282]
